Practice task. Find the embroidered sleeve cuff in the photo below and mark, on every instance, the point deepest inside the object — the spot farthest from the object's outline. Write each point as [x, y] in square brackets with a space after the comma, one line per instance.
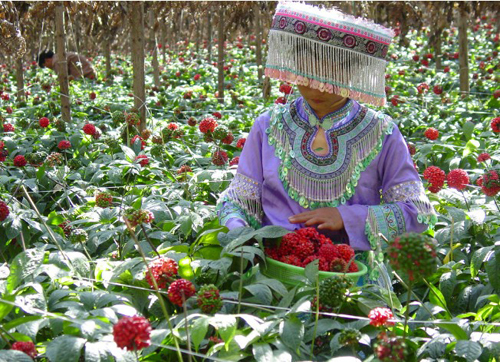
[387, 220]
[242, 200]
[413, 192]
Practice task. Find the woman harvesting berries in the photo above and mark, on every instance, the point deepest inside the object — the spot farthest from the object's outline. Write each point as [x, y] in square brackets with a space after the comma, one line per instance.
[324, 159]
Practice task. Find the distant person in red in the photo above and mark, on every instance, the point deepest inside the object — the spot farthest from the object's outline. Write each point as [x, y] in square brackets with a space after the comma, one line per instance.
[78, 65]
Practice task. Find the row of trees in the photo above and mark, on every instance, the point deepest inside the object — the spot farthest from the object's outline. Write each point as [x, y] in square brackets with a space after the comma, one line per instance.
[92, 28]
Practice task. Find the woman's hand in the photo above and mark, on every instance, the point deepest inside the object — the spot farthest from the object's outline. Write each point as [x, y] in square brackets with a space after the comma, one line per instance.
[327, 218]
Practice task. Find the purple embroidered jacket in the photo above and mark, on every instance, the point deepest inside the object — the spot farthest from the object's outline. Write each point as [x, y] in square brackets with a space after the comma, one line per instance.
[279, 175]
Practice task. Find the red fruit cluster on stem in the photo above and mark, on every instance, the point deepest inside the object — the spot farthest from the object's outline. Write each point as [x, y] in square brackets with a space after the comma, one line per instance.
[208, 124]
[380, 317]
[26, 347]
[431, 133]
[458, 179]
[180, 290]
[4, 211]
[132, 333]
[164, 270]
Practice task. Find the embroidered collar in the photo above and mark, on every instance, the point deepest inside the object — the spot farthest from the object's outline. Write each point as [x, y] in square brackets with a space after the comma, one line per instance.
[331, 119]
[324, 181]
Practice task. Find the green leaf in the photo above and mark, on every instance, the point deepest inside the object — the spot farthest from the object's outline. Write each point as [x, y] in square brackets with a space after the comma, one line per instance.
[198, 331]
[14, 356]
[437, 298]
[262, 352]
[478, 258]
[454, 329]
[79, 261]
[469, 350]
[271, 232]
[470, 147]
[4, 307]
[225, 325]
[275, 285]
[65, 349]
[97, 352]
[312, 271]
[493, 270]
[261, 292]
[447, 284]
[129, 153]
[292, 332]
[467, 129]
[24, 265]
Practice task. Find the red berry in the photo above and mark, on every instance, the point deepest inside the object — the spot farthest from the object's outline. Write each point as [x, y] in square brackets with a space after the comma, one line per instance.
[64, 145]
[142, 159]
[208, 124]
[495, 125]
[4, 211]
[380, 317]
[164, 270]
[92, 95]
[20, 161]
[241, 143]
[345, 251]
[138, 138]
[132, 333]
[180, 290]
[234, 161]
[286, 88]
[457, 179]
[44, 122]
[26, 347]
[431, 133]
[219, 158]
[483, 157]
[89, 129]
[7, 127]
[217, 115]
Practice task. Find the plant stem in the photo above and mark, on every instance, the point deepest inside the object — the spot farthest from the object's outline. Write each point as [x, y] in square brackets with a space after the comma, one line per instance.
[149, 241]
[465, 199]
[407, 311]
[240, 288]
[316, 316]
[2, 335]
[188, 340]
[157, 291]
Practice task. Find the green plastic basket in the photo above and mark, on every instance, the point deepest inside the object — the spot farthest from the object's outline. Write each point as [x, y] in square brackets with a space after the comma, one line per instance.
[285, 272]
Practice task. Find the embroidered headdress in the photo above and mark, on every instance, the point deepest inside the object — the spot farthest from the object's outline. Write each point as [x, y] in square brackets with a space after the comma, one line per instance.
[328, 50]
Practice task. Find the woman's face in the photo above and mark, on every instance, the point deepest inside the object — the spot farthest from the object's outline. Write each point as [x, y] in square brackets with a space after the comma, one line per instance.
[321, 102]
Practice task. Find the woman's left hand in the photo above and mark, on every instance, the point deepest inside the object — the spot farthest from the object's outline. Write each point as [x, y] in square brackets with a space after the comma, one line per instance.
[328, 218]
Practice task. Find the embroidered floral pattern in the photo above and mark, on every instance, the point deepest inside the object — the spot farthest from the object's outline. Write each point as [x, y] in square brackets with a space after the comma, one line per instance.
[328, 180]
[242, 199]
[333, 37]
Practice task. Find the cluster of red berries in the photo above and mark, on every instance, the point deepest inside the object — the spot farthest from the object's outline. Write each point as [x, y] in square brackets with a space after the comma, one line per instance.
[286, 88]
[138, 139]
[44, 122]
[142, 159]
[26, 347]
[207, 125]
[379, 317]
[4, 211]
[104, 199]
[241, 143]
[280, 100]
[457, 179]
[301, 247]
[495, 125]
[20, 161]
[436, 178]
[422, 88]
[235, 161]
[64, 145]
[132, 333]
[413, 254]
[89, 129]
[489, 182]
[132, 118]
[217, 115]
[483, 157]
[54, 159]
[67, 229]
[183, 169]
[431, 133]
[208, 299]
[219, 158]
[138, 217]
[390, 348]
[180, 290]
[164, 271]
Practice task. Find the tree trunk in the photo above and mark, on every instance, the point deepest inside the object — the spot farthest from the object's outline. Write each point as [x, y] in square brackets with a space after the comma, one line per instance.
[209, 31]
[463, 49]
[198, 36]
[107, 55]
[164, 33]
[437, 49]
[62, 65]
[220, 55]
[137, 50]
[154, 62]
[258, 45]
[20, 79]
[266, 88]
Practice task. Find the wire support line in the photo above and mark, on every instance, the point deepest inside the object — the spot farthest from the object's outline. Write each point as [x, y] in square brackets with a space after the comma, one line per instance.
[185, 351]
[327, 314]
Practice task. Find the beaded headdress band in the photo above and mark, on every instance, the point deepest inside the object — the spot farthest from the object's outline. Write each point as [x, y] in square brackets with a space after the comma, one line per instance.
[330, 51]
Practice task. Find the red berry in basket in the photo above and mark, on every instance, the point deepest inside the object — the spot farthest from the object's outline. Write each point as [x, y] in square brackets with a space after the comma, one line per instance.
[345, 251]
[338, 265]
[329, 252]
